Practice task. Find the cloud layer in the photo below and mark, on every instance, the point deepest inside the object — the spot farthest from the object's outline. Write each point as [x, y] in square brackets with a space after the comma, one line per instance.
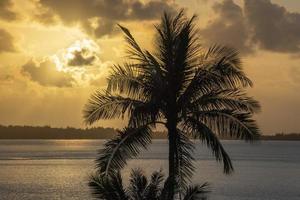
[98, 18]
[274, 28]
[229, 27]
[5, 10]
[46, 74]
[258, 24]
[6, 42]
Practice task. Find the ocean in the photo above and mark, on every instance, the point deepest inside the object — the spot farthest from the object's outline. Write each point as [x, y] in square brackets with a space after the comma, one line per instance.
[59, 169]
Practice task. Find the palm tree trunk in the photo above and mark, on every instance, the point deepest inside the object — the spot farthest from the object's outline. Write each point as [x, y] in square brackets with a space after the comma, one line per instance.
[172, 159]
[171, 125]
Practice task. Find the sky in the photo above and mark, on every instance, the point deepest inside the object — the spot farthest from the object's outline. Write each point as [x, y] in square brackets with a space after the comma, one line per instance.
[55, 53]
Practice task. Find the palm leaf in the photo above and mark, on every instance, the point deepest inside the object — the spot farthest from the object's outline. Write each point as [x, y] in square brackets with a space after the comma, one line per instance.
[127, 80]
[197, 192]
[118, 150]
[153, 190]
[231, 99]
[138, 184]
[184, 160]
[226, 61]
[134, 51]
[103, 105]
[108, 188]
[207, 136]
[228, 123]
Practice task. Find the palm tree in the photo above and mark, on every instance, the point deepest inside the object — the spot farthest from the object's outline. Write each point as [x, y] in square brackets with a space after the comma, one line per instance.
[192, 92]
[140, 188]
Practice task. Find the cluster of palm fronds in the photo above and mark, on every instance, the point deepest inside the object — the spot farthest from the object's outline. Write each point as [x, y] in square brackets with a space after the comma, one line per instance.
[140, 188]
[192, 92]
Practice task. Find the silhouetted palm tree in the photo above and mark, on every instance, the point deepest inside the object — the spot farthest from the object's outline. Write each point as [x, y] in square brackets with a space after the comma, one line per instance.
[140, 188]
[193, 93]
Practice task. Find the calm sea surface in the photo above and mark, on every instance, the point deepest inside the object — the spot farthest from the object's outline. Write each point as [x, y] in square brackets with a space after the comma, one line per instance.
[59, 169]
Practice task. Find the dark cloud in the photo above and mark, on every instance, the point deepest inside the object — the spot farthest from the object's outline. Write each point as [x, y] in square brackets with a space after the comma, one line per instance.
[274, 28]
[150, 10]
[99, 27]
[6, 42]
[82, 58]
[5, 10]
[99, 17]
[45, 74]
[261, 24]
[228, 27]
[43, 16]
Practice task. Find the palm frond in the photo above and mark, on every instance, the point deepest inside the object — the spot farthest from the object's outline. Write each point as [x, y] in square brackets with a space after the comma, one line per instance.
[118, 150]
[200, 131]
[140, 188]
[184, 160]
[197, 192]
[226, 61]
[201, 82]
[138, 184]
[153, 190]
[186, 51]
[108, 188]
[165, 190]
[230, 99]
[126, 79]
[145, 62]
[229, 123]
[167, 31]
[134, 50]
[103, 105]
[149, 112]
[220, 68]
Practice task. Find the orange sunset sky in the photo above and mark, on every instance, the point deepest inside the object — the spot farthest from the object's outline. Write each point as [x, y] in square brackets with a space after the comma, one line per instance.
[55, 53]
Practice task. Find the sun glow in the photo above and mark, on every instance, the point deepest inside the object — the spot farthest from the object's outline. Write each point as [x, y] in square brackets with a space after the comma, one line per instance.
[80, 45]
[81, 61]
[63, 56]
[58, 63]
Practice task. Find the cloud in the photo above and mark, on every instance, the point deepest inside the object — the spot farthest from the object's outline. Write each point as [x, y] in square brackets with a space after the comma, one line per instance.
[6, 42]
[98, 18]
[76, 65]
[274, 27]
[45, 74]
[260, 23]
[5, 10]
[82, 58]
[45, 17]
[149, 11]
[228, 27]
[83, 52]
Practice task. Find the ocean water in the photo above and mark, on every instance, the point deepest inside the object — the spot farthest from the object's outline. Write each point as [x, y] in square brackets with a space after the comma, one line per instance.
[59, 169]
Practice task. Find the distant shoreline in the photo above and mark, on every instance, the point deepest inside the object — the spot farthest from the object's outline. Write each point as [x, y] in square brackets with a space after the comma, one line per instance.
[2, 139]
[69, 133]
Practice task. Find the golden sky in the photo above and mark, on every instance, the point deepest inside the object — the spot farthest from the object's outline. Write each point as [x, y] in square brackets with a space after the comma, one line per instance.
[55, 53]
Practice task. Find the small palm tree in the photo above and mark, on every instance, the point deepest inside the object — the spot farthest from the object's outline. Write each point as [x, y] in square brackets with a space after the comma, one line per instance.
[192, 92]
[140, 188]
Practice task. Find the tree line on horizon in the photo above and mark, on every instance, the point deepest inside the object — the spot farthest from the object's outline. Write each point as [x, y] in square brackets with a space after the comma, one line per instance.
[48, 132]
